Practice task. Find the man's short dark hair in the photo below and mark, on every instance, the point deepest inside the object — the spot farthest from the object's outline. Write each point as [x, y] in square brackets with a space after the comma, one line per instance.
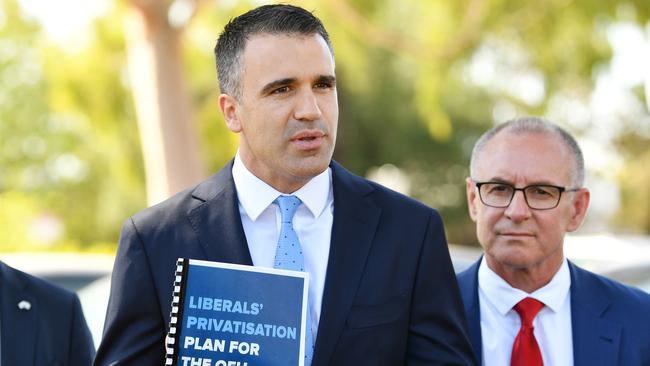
[266, 19]
[538, 125]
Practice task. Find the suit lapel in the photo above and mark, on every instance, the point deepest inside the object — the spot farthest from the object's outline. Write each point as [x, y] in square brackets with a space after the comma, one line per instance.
[596, 341]
[18, 332]
[355, 222]
[468, 283]
[217, 221]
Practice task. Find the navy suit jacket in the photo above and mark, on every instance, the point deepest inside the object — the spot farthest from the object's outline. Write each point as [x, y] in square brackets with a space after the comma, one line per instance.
[390, 296]
[610, 322]
[51, 332]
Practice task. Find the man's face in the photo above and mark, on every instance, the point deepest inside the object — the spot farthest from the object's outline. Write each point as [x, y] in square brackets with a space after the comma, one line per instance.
[518, 237]
[288, 112]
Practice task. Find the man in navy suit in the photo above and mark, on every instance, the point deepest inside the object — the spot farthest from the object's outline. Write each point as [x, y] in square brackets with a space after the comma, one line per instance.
[41, 324]
[525, 302]
[382, 290]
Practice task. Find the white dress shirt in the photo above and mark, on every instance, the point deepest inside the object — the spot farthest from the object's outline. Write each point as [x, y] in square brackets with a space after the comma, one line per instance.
[312, 223]
[500, 323]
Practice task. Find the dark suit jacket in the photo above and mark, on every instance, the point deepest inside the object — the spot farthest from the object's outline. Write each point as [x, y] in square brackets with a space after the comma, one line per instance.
[390, 296]
[52, 332]
[610, 322]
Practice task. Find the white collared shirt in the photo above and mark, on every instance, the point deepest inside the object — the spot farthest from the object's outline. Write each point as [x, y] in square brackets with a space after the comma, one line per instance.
[312, 223]
[500, 323]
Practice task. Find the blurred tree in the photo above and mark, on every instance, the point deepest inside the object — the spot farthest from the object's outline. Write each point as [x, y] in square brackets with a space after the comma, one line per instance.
[28, 158]
[634, 215]
[163, 106]
[69, 158]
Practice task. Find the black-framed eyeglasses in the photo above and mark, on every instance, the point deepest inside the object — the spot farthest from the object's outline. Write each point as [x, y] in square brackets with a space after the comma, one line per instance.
[537, 196]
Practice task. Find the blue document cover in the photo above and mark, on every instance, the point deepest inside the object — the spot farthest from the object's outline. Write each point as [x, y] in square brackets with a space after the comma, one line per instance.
[234, 315]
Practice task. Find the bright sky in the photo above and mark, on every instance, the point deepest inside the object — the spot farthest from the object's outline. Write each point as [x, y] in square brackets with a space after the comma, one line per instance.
[65, 19]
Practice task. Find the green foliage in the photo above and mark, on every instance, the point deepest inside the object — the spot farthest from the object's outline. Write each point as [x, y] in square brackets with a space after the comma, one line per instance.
[70, 160]
[634, 215]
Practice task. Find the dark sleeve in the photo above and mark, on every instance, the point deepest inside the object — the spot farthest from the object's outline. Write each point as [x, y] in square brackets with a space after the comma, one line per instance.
[82, 348]
[438, 328]
[134, 330]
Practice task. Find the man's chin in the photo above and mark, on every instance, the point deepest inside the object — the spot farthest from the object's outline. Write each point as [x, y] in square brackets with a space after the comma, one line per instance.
[309, 167]
[307, 173]
[513, 257]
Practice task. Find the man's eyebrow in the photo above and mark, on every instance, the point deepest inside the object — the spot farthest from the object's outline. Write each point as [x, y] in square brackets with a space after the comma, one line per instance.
[327, 79]
[543, 182]
[499, 180]
[320, 79]
[276, 84]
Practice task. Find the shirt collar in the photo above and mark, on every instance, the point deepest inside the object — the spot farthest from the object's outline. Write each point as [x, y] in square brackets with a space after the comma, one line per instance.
[255, 195]
[504, 297]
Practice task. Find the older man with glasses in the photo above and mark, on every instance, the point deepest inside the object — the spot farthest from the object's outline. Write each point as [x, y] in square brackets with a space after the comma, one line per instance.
[526, 303]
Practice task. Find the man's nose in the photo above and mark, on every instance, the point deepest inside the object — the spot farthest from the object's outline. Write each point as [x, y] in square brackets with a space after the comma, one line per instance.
[307, 108]
[518, 210]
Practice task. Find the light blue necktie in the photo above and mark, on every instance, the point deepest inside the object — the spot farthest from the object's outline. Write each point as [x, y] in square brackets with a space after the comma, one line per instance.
[288, 255]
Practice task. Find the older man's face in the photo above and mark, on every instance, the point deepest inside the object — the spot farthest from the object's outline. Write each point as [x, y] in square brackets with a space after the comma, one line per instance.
[518, 237]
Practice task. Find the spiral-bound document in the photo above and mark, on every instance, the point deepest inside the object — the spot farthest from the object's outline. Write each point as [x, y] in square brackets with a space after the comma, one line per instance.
[234, 315]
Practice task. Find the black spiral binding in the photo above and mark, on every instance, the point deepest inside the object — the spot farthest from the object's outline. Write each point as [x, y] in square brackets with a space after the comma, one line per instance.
[176, 313]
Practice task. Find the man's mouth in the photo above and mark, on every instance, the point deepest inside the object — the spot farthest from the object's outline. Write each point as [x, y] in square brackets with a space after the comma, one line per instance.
[516, 233]
[308, 140]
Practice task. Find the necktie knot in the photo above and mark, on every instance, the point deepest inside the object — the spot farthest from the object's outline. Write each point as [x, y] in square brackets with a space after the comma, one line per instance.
[288, 206]
[527, 310]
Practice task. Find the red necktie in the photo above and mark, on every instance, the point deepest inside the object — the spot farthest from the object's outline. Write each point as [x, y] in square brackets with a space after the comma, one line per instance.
[525, 351]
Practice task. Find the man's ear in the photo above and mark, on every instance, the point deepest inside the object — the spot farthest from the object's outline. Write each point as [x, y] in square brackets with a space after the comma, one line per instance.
[472, 198]
[229, 106]
[580, 204]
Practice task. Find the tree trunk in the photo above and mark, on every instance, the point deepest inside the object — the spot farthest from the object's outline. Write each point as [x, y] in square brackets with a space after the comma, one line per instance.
[162, 102]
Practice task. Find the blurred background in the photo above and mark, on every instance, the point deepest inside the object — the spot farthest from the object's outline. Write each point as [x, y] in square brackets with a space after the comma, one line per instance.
[108, 106]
